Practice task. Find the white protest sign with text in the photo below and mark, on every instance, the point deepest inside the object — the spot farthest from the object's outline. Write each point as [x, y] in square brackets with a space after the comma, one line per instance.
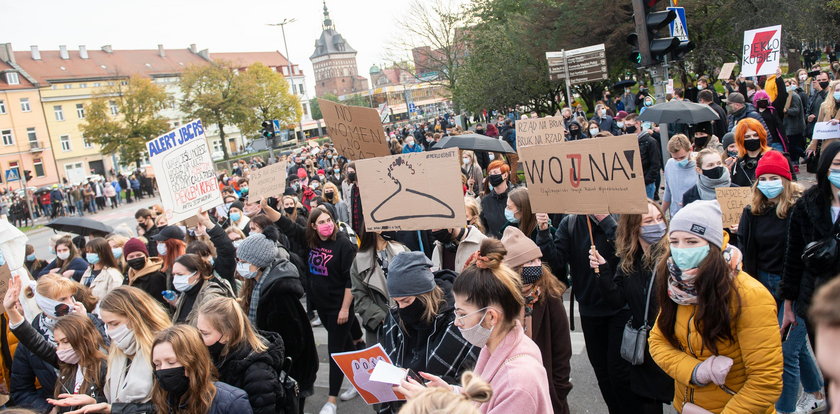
[540, 131]
[762, 51]
[268, 181]
[825, 130]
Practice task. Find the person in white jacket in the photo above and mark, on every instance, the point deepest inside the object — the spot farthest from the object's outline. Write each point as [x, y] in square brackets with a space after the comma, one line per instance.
[454, 246]
[104, 274]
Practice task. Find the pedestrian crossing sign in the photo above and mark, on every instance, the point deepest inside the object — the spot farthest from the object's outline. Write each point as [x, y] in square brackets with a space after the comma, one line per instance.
[12, 175]
[678, 26]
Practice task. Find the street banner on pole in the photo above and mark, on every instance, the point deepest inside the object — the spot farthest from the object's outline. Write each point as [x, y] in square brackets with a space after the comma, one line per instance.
[268, 181]
[356, 131]
[540, 131]
[762, 51]
[591, 176]
[414, 191]
[185, 172]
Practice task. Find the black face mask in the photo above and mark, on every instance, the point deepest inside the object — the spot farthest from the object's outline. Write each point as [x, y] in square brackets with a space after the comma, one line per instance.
[351, 177]
[714, 173]
[700, 142]
[763, 104]
[443, 235]
[216, 350]
[329, 195]
[823, 85]
[137, 263]
[173, 380]
[574, 132]
[289, 210]
[630, 129]
[752, 144]
[495, 179]
[412, 314]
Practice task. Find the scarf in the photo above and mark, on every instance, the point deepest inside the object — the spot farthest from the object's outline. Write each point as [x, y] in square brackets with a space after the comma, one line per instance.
[681, 288]
[45, 325]
[357, 221]
[706, 186]
[129, 382]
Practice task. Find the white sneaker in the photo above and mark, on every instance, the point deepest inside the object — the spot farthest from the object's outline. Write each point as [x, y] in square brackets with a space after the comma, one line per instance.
[328, 408]
[348, 394]
[808, 404]
[316, 321]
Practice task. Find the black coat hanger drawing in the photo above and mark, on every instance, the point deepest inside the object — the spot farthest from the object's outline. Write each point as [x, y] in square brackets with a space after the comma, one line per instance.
[407, 198]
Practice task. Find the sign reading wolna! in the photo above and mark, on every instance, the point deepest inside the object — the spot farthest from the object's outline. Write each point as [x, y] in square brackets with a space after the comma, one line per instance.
[592, 176]
[184, 171]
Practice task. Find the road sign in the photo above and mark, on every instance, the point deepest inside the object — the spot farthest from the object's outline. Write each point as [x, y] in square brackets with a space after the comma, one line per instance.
[678, 26]
[586, 64]
[276, 125]
[12, 174]
[412, 107]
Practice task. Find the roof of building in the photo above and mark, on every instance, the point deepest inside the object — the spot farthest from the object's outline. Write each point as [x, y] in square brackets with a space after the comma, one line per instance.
[23, 82]
[245, 59]
[51, 67]
[330, 42]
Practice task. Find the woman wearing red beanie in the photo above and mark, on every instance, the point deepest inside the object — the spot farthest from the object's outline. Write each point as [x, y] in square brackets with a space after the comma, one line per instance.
[144, 272]
[763, 239]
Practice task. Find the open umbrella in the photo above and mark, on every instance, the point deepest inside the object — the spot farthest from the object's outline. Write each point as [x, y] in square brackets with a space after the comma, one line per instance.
[626, 83]
[474, 142]
[679, 112]
[80, 225]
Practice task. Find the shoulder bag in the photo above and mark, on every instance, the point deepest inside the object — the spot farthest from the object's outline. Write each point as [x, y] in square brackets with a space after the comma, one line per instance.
[634, 341]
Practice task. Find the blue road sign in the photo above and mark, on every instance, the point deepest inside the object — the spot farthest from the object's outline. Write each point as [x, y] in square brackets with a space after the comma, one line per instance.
[412, 107]
[679, 27]
[276, 125]
[12, 175]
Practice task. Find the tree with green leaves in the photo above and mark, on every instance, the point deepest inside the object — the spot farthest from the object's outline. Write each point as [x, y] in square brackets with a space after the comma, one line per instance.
[218, 95]
[137, 121]
[270, 99]
[354, 100]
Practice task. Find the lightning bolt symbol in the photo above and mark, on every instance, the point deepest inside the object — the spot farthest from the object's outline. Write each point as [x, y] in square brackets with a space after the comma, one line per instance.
[757, 51]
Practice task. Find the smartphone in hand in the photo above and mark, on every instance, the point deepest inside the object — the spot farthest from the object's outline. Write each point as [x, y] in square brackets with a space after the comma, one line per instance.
[409, 373]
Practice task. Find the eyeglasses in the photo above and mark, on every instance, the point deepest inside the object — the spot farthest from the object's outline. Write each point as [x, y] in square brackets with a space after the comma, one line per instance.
[459, 319]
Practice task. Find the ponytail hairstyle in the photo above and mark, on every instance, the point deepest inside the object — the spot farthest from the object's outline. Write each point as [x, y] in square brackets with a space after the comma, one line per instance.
[486, 281]
[227, 317]
[434, 400]
[193, 356]
[82, 336]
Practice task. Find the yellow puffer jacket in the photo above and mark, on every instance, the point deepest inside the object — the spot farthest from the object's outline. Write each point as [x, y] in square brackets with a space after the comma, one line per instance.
[755, 381]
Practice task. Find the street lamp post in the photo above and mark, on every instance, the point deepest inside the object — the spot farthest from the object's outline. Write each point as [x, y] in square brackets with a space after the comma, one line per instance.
[282, 25]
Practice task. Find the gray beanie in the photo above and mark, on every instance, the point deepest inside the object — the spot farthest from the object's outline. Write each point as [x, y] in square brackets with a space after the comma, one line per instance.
[257, 250]
[410, 274]
[701, 218]
[728, 139]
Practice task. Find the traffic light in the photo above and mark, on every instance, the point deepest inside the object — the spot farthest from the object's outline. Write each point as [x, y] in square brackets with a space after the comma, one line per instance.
[681, 50]
[268, 129]
[649, 49]
[27, 174]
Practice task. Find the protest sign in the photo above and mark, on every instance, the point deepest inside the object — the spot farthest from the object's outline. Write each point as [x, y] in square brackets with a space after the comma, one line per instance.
[732, 201]
[356, 131]
[184, 171]
[591, 176]
[357, 366]
[762, 51]
[268, 181]
[540, 131]
[726, 70]
[825, 130]
[415, 191]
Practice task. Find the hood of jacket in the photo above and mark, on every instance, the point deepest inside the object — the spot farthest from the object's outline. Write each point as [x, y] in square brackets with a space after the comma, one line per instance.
[243, 356]
[445, 279]
[283, 278]
[153, 264]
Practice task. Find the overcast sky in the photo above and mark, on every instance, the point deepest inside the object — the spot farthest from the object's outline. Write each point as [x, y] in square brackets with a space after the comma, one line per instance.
[218, 25]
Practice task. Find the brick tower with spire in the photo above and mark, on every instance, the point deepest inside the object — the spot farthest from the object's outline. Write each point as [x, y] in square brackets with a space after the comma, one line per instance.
[334, 63]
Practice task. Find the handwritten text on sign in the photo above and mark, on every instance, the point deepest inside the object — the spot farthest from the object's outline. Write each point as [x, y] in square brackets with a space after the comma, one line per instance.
[540, 131]
[732, 201]
[268, 181]
[184, 170]
[593, 176]
[356, 131]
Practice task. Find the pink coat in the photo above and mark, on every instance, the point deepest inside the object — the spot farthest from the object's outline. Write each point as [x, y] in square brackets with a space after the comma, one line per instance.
[516, 373]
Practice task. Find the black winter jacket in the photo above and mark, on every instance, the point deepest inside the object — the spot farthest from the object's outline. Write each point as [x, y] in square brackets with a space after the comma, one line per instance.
[256, 373]
[224, 264]
[493, 211]
[650, 155]
[229, 399]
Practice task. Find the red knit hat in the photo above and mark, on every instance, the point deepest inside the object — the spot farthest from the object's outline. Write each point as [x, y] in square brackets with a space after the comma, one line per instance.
[301, 173]
[134, 245]
[773, 162]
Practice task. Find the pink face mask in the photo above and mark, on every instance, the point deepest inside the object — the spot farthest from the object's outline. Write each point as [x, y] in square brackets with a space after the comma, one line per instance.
[326, 229]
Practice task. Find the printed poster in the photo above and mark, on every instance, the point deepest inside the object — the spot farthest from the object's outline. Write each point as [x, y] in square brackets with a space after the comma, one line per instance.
[762, 51]
[358, 366]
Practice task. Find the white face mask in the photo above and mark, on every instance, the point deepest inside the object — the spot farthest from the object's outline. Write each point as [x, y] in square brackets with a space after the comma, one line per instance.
[123, 338]
[182, 282]
[466, 161]
[63, 255]
[593, 131]
[244, 270]
[477, 335]
[161, 248]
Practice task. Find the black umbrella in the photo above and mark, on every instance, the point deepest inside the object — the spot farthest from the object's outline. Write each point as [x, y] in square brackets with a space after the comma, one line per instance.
[474, 142]
[80, 225]
[624, 84]
[43, 190]
[678, 112]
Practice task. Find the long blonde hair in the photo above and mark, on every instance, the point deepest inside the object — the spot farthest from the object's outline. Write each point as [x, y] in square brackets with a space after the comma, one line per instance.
[788, 197]
[627, 241]
[437, 400]
[336, 193]
[227, 317]
[828, 109]
[192, 355]
[472, 205]
[145, 316]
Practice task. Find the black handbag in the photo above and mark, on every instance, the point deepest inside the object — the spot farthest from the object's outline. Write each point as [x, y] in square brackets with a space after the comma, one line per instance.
[812, 161]
[821, 256]
[291, 392]
[634, 341]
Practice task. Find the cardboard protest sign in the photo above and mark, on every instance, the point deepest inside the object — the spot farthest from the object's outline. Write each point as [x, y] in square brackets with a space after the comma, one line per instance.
[825, 130]
[762, 51]
[185, 172]
[732, 201]
[415, 191]
[540, 131]
[591, 176]
[726, 70]
[357, 366]
[5, 277]
[356, 131]
[268, 181]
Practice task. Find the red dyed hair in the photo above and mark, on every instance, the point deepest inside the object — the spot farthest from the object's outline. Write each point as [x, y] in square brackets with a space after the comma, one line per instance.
[501, 165]
[174, 249]
[741, 129]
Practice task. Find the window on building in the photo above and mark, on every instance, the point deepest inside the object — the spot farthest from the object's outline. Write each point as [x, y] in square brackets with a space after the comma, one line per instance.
[59, 113]
[83, 85]
[300, 88]
[87, 142]
[305, 110]
[31, 135]
[80, 110]
[8, 139]
[124, 83]
[65, 142]
[68, 86]
[2, 107]
[12, 78]
[96, 84]
[114, 109]
[24, 105]
[13, 165]
[39, 167]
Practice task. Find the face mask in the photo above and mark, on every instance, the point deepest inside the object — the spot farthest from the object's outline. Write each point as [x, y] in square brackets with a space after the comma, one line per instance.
[243, 190]
[336, 171]
[173, 380]
[510, 217]
[52, 307]
[491, 156]
[137, 263]
[237, 243]
[412, 314]
[834, 178]
[117, 252]
[646, 126]
[326, 229]
[620, 124]
[62, 256]
[594, 131]
[233, 217]
[123, 338]
[351, 176]
[714, 173]
[630, 129]
[683, 162]
[29, 258]
[182, 282]
[531, 274]
[443, 235]
[700, 87]
[791, 88]
[689, 257]
[211, 261]
[770, 189]
[465, 160]
[732, 153]
[823, 84]
[574, 132]
[837, 96]
[329, 195]
[244, 270]
[763, 104]
[92, 258]
[67, 356]
[477, 335]
[752, 144]
[652, 233]
[495, 180]
[700, 142]
[289, 210]
[648, 103]
[410, 143]
[803, 77]
[216, 350]
[161, 249]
